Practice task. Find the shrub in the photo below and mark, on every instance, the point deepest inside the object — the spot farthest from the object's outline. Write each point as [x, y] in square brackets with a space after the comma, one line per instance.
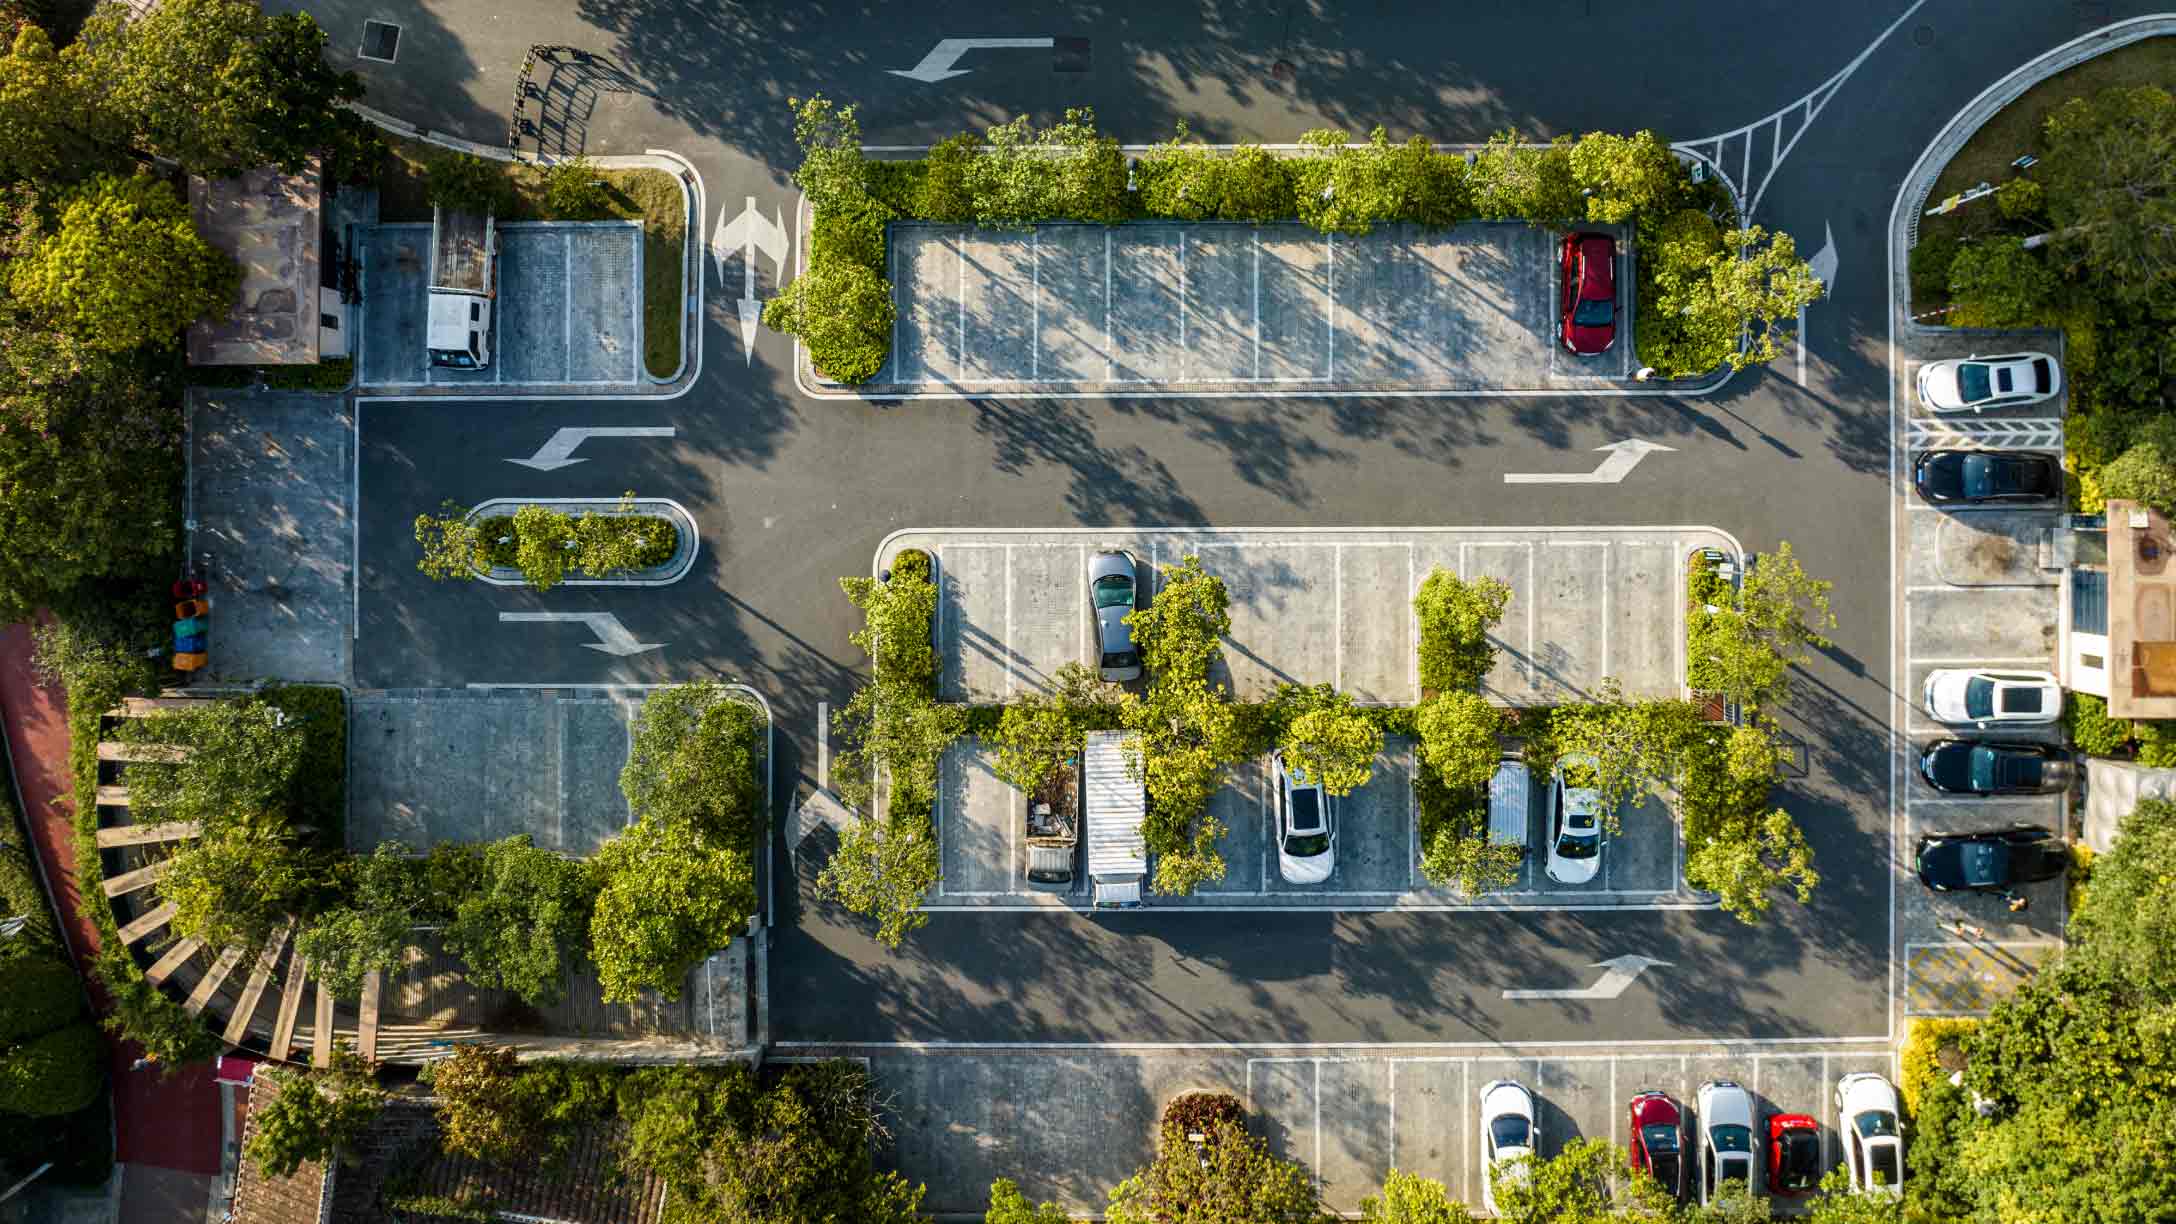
[239, 773]
[56, 1073]
[854, 233]
[1200, 1112]
[574, 192]
[1920, 1060]
[463, 182]
[2094, 733]
[1929, 263]
[543, 545]
[522, 931]
[1459, 733]
[1066, 171]
[834, 172]
[898, 622]
[1327, 737]
[2004, 284]
[1455, 619]
[312, 1114]
[666, 899]
[22, 897]
[1039, 733]
[42, 994]
[2021, 199]
[1625, 176]
[2141, 474]
[1455, 850]
[695, 756]
[943, 193]
[843, 312]
[1257, 186]
[1513, 182]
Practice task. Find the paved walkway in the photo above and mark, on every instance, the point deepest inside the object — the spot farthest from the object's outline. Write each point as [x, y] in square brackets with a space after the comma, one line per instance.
[172, 1122]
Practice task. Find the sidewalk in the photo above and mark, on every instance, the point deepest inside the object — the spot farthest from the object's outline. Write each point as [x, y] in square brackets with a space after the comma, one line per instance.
[170, 1124]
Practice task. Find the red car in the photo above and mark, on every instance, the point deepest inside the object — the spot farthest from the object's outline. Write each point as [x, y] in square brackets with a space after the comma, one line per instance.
[1589, 322]
[1658, 1140]
[1794, 1154]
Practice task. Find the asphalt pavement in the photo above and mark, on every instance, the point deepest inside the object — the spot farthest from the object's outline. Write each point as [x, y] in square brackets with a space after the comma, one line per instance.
[792, 493]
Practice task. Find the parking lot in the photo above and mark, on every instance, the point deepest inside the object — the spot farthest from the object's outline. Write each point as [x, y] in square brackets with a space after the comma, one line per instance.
[1067, 1125]
[569, 307]
[1175, 307]
[979, 826]
[1973, 593]
[1336, 606]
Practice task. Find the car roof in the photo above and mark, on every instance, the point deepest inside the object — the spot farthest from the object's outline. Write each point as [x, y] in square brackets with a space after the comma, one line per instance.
[1655, 1109]
[1509, 1096]
[1725, 1103]
[1864, 1091]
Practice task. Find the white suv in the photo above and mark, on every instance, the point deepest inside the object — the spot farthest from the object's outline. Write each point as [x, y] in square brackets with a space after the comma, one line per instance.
[1575, 824]
[1728, 1151]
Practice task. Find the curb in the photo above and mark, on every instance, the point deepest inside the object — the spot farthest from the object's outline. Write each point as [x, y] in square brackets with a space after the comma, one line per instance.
[672, 571]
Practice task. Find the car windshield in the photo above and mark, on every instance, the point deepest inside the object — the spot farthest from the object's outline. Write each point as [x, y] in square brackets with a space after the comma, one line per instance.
[1577, 846]
[1665, 1169]
[1114, 591]
[1884, 1162]
[1508, 1130]
[1979, 476]
[1979, 697]
[1306, 810]
[1801, 1159]
[1875, 1123]
[1594, 312]
[1660, 1140]
[1972, 382]
[1120, 658]
[1732, 1138]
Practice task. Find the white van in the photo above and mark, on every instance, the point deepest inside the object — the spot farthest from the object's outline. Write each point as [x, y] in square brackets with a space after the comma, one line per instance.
[1509, 806]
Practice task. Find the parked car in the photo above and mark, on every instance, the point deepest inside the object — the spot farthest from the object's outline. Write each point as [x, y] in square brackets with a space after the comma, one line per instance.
[1972, 695]
[1992, 861]
[1866, 1116]
[1113, 589]
[1575, 823]
[1508, 803]
[1969, 477]
[1974, 767]
[1306, 826]
[1726, 1137]
[1658, 1140]
[1588, 322]
[1794, 1154]
[1508, 1136]
[1978, 382]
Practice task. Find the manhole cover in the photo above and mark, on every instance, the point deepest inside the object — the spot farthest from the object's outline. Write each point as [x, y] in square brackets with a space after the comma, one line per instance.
[1283, 70]
[1923, 35]
[381, 41]
[1069, 54]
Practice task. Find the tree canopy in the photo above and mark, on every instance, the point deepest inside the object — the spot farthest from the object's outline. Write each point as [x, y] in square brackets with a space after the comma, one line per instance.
[667, 898]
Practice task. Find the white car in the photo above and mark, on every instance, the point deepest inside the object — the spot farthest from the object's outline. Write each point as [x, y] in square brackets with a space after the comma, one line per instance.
[1977, 382]
[1575, 824]
[1306, 827]
[1970, 695]
[1866, 1115]
[1508, 1137]
[1727, 1148]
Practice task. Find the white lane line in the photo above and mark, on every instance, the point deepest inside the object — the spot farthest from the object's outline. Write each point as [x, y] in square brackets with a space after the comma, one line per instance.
[1257, 303]
[1329, 308]
[1110, 339]
[823, 745]
[1010, 656]
[1317, 1167]
[959, 279]
[1035, 334]
[566, 316]
[1185, 364]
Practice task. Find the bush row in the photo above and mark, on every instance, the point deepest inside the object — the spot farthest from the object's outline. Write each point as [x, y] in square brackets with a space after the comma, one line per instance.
[547, 545]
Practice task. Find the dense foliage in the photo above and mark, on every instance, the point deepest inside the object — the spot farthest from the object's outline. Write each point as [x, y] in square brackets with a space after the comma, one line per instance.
[1456, 618]
[1229, 1178]
[1188, 732]
[493, 1107]
[123, 267]
[547, 545]
[310, 1115]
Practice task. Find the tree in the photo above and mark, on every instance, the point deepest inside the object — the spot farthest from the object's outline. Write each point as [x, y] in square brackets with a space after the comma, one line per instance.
[125, 268]
[2128, 917]
[142, 1013]
[480, 1113]
[1513, 182]
[55, 1073]
[2142, 474]
[1625, 176]
[1459, 738]
[1188, 734]
[543, 545]
[834, 173]
[1631, 744]
[311, 1115]
[466, 183]
[1712, 290]
[2002, 283]
[1181, 631]
[942, 194]
[900, 730]
[897, 619]
[1041, 731]
[2109, 173]
[1747, 861]
[667, 898]
[239, 771]
[1009, 1206]
[374, 929]
[695, 756]
[1836, 1204]
[843, 312]
[54, 129]
[620, 542]
[1230, 1177]
[1456, 618]
[1578, 1186]
[1091, 169]
[1409, 1198]
[575, 191]
[235, 888]
[522, 930]
[884, 869]
[452, 544]
[1327, 737]
[1785, 606]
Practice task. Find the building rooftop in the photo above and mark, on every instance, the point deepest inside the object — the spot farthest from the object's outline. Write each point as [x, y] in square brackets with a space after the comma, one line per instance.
[268, 221]
[2141, 613]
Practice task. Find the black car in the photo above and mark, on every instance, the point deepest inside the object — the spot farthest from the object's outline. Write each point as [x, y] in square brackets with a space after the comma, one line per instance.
[1986, 476]
[1990, 862]
[1973, 767]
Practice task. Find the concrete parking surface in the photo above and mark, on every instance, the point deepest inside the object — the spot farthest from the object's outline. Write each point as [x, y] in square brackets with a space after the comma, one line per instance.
[1335, 606]
[569, 307]
[1174, 307]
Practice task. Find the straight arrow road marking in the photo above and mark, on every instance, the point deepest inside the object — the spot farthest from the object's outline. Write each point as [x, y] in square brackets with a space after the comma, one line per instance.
[612, 637]
[558, 451]
[1619, 972]
[749, 232]
[937, 65]
[1623, 457]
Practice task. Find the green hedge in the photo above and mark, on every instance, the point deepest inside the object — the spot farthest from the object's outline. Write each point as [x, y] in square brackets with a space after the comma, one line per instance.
[42, 994]
[58, 1073]
[21, 897]
[331, 374]
[656, 539]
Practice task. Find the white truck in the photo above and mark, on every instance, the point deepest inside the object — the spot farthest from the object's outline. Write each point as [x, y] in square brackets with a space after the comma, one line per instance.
[464, 284]
[1116, 805]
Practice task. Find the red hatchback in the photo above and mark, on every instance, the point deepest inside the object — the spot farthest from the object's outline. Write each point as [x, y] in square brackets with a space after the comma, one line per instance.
[1588, 322]
[1658, 1141]
[1794, 1154]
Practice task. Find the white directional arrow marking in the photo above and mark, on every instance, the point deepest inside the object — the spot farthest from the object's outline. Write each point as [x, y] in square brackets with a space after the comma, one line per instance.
[612, 636]
[749, 232]
[1824, 266]
[1623, 457]
[558, 452]
[937, 65]
[1619, 974]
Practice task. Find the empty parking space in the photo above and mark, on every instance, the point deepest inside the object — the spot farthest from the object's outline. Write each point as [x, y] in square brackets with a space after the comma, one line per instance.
[568, 310]
[1082, 309]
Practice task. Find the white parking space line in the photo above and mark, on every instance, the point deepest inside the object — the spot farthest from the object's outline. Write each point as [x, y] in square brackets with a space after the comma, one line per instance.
[1329, 309]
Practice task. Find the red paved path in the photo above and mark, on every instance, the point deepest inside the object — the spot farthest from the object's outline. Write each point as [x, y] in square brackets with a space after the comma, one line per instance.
[171, 1122]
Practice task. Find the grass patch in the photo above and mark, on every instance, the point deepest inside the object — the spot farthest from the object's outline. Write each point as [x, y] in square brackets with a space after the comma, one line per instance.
[2015, 129]
[649, 196]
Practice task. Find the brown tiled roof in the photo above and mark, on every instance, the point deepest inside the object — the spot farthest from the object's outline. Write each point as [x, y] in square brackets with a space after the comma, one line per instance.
[589, 1187]
[258, 1199]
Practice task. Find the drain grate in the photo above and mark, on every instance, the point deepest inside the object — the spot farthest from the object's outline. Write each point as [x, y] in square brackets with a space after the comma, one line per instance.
[1069, 54]
[381, 41]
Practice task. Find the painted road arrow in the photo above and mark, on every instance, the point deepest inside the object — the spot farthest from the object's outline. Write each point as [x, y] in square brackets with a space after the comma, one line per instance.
[612, 636]
[1623, 457]
[937, 65]
[558, 452]
[1621, 972]
[749, 232]
[1823, 264]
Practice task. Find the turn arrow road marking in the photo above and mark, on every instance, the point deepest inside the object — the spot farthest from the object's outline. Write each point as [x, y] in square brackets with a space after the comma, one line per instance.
[612, 636]
[558, 451]
[1623, 457]
[1620, 973]
[937, 65]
